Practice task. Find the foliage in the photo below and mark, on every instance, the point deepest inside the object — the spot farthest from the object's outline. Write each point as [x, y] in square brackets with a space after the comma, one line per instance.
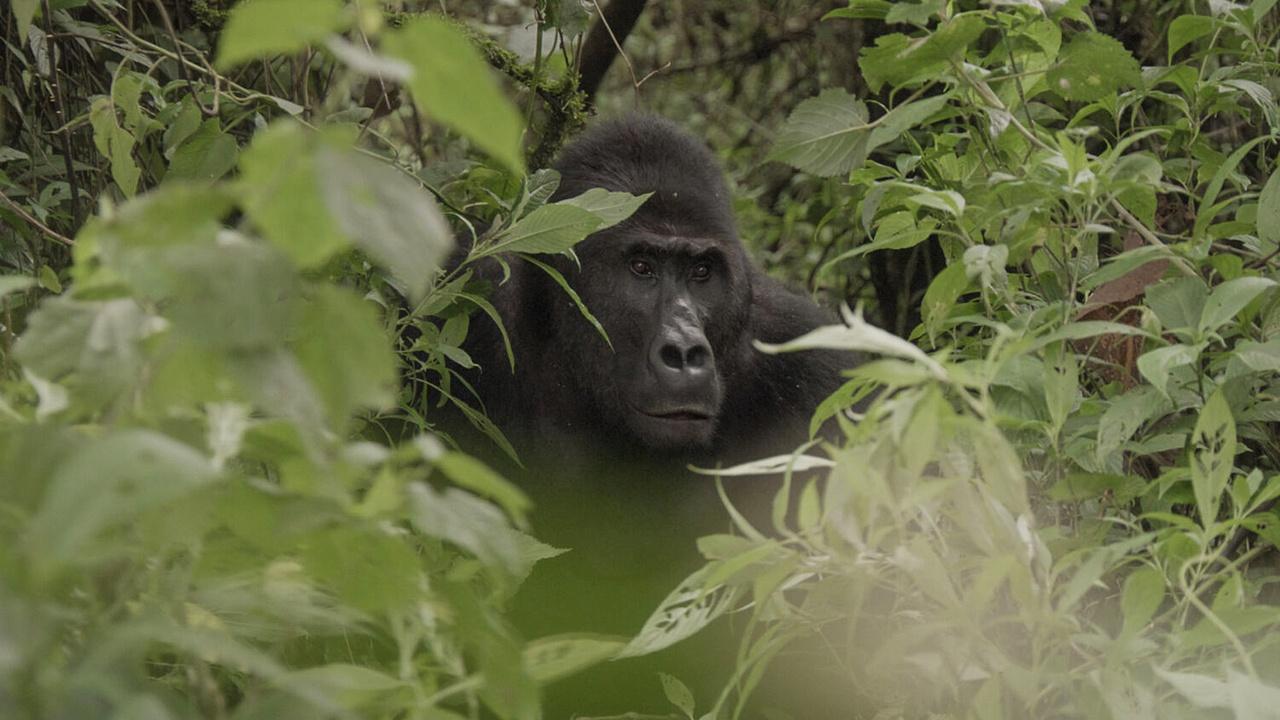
[1067, 508]
[219, 501]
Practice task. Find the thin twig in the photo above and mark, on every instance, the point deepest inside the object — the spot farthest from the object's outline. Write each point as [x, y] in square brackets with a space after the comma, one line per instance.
[22, 213]
[182, 69]
[61, 109]
[635, 82]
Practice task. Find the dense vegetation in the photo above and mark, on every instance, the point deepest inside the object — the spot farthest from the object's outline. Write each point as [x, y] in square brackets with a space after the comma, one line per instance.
[220, 498]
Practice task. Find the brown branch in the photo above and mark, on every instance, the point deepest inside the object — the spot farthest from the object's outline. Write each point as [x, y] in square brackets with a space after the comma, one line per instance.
[22, 213]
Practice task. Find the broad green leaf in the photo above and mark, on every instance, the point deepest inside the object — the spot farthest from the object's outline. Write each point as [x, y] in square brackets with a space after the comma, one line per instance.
[915, 13]
[686, 610]
[281, 194]
[258, 28]
[826, 135]
[899, 60]
[1268, 220]
[1093, 66]
[23, 11]
[369, 569]
[862, 10]
[453, 84]
[903, 118]
[472, 474]
[549, 229]
[1213, 452]
[14, 283]
[1186, 29]
[1179, 303]
[188, 120]
[1143, 593]
[1209, 206]
[611, 207]
[347, 686]
[472, 524]
[205, 156]
[1229, 298]
[106, 483]
[344, 351]
[92, 347]
[558, 656]
[1125, 414]
[387, 215]
[116, 145]
[1261, 357]
[1156, 365]
[857, 335]
[941, 296]
[677, 693]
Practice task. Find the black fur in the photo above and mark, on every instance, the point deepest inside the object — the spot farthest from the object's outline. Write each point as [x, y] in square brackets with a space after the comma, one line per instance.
[567, 400]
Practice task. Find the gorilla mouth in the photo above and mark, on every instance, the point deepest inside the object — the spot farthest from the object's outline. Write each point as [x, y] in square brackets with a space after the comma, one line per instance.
[683, 415]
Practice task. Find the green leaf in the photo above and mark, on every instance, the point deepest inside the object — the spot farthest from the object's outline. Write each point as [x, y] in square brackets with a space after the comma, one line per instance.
[558, 656]
[1178, 303]
[862, 10]
[369, 569]
[549, 229]
[903, 118]
[1093, 66]
[1156, 365]
[474, 475]
[23, 11]
[686, 610]
[107, 483]
[472, 524]
[1268, 220]
[678, 693]
[205, 156]
[1209, 207]
[14, 283]
[280, 191]
[93, 347]
[1212, 455]
[899, 60]
[344, 351]
[116, 145]
[453, 84]
[258, 28]
[1186, 29]
[826, 135]
[1143, 593]
[1229, 298]
[611, 207]
[387, 215]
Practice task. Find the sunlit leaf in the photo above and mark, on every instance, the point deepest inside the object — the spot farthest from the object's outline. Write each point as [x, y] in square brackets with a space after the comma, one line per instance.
[258, 28]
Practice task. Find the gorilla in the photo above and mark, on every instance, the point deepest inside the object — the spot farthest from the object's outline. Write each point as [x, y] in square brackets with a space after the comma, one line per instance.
[607, 429]
[682, 306]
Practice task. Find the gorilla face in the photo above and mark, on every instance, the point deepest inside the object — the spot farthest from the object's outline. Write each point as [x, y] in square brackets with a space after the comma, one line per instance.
[672, 306]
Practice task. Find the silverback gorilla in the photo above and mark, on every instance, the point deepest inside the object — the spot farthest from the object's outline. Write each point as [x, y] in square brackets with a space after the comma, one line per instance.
[682, 305]
[606, 433]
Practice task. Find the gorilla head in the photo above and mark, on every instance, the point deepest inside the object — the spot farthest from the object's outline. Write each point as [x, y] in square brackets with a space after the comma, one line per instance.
[681, 303]
[671, 285]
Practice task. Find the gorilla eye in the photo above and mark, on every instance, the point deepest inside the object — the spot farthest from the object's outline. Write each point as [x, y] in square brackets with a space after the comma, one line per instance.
[641, 267]
[701, 271]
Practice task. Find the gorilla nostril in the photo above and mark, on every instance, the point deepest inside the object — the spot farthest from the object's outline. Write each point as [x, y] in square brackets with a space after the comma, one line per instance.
[672, 357]
[697, 356]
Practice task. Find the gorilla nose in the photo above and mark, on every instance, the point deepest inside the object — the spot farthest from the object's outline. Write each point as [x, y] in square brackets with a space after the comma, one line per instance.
[682, 357]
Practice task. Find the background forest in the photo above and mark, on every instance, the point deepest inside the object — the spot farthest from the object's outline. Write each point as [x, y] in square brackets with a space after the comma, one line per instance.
[226, 338]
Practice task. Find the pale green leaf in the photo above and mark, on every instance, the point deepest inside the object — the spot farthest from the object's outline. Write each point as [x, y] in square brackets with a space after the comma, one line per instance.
[611, 207]
[453, 84]
[1156, 365]
[258, 28]
[826, 135]
[558, 656]
[1229, 298]
[1212, 455]
[1268, 220]
[549, 229]
[387, 215]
